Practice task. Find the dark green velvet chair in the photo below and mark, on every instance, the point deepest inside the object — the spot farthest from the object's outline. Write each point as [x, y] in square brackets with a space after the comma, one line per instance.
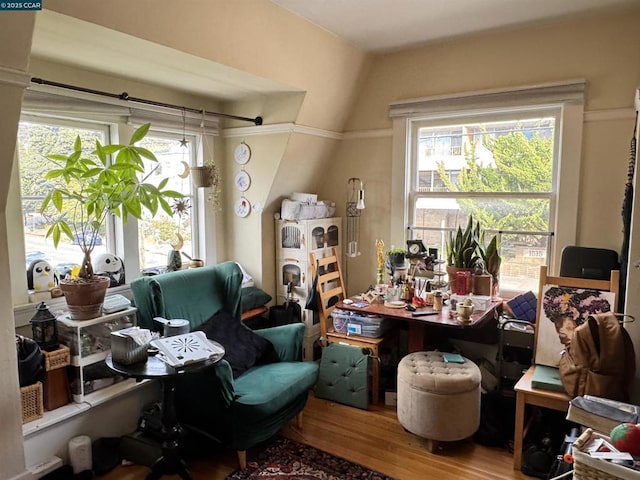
[251, 408]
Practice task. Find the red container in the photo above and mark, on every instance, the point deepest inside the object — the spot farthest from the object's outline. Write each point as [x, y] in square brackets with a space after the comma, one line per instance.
[463, 283]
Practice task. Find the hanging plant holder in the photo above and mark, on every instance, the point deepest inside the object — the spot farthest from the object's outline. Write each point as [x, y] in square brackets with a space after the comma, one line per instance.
[202, 177]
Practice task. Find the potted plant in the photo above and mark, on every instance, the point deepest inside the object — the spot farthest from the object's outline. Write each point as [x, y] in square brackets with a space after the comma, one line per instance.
[462, 250]
[492, 260]
[88, 189]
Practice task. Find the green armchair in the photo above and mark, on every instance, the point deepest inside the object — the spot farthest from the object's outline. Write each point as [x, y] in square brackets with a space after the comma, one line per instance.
[238, 412]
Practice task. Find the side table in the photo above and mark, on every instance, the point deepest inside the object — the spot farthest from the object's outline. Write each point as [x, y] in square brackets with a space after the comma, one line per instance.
[170, 462]
[527, 395]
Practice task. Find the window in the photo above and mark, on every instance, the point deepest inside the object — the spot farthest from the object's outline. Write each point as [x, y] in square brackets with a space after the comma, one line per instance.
[159, 235]
[495, 156]
[40, 136]
[37, 138]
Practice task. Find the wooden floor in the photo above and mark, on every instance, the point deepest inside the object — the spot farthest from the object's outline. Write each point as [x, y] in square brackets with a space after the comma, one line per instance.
[373, 438]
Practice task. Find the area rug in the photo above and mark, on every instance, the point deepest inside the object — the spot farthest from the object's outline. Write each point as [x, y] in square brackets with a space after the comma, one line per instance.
[287, 459]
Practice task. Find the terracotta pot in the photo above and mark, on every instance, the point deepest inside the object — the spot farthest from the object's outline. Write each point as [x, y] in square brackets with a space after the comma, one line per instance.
[85, 299]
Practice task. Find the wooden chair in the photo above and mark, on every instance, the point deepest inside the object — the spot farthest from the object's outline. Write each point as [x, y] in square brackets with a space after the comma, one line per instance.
[331, 290]
[525, 393]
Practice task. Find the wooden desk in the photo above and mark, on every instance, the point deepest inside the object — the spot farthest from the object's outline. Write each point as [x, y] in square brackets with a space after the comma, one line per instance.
[418, 325]
[525, 394]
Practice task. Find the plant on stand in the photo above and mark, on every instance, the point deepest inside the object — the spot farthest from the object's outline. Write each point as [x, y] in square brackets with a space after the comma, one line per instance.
[89, 190]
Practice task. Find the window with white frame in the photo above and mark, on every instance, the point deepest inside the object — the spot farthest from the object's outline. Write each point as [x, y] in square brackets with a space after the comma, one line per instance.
[495, 156]
[39, 136]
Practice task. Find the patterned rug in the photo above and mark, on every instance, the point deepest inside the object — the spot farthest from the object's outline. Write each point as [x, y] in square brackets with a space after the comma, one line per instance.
[287, 459]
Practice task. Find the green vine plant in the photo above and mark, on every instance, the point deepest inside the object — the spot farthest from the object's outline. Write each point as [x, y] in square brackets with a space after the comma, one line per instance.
[90, 188]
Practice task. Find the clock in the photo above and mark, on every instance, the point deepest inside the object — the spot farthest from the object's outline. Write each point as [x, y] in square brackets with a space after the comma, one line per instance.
[242, 153]
[243, 181]
[242, 207]
[416, 249]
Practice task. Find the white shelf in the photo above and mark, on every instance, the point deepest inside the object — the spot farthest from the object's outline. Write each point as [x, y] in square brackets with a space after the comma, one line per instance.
[78, 361]
[66, 319]
[70, 410]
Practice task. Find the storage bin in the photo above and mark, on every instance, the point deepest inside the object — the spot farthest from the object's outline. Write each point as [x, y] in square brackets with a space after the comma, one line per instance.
[57, 359]
[126, 351]
[368, 326]
[32, 406]
[585, 467]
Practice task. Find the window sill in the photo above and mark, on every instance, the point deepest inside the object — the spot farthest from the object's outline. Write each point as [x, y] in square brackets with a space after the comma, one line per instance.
[23, 313]
[59, 415]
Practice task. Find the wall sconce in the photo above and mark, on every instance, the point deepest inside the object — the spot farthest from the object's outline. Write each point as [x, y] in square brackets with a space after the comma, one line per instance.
[355, 205]
[45, 328]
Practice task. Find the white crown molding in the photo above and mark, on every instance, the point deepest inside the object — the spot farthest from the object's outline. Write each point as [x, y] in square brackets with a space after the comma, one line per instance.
[14, 78]
[609, 114]
[280, 128]
[377, 133]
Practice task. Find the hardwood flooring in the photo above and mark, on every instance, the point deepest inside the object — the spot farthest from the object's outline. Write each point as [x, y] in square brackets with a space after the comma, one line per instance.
[373, 438]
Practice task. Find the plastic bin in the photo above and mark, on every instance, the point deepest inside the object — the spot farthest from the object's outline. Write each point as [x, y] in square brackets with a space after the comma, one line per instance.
[353, 323]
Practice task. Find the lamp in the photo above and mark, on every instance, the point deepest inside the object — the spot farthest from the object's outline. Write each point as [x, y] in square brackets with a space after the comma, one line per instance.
[45, 328]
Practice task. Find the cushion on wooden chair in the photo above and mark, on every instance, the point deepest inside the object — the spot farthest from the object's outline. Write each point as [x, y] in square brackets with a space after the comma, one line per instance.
[343, 376]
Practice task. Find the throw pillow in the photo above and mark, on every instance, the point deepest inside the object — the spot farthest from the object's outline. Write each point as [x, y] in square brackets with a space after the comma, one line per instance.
[253, 297]
[243, 347]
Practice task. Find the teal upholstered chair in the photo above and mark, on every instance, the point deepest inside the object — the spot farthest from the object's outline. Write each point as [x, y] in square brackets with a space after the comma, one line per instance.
[243, 411]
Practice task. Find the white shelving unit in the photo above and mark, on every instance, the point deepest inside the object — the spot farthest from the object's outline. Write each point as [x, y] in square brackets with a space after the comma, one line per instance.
[295, 240]
[89, 343]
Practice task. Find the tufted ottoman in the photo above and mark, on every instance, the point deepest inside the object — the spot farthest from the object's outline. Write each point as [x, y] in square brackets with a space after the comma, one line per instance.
[437, 400]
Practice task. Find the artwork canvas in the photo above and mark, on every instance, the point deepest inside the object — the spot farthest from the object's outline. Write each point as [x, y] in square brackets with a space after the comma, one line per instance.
[563, 309]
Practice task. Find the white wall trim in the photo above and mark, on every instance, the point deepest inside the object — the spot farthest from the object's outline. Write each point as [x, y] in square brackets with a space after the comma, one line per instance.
[375, 133]
[569, 91]
[609, 114]
[280, 128]
[14, 78]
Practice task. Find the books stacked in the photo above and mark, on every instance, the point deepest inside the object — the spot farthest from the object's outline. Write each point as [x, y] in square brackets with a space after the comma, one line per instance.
[547, 378]
[601, 414]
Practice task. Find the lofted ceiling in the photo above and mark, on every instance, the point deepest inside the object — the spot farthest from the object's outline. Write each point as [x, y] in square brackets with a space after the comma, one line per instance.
[371, 25]
[384, 25]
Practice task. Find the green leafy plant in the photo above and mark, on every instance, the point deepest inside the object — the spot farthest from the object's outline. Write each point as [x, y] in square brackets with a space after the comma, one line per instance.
[491, 257]
[462, 246]
[92, 189]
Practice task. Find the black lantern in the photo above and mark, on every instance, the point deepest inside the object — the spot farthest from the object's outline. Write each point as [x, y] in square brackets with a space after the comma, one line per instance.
[45, 328]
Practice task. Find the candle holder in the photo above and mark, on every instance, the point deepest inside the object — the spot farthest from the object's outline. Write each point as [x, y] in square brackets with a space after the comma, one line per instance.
[45, 328]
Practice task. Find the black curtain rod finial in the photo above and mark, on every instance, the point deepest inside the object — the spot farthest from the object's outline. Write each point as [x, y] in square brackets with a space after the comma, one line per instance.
[258, 121]
[124, 96]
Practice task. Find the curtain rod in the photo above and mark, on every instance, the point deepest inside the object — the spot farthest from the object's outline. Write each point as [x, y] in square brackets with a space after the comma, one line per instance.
[125, 96]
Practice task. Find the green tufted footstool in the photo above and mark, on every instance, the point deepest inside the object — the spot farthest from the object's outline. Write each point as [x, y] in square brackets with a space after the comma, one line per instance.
[343, 375]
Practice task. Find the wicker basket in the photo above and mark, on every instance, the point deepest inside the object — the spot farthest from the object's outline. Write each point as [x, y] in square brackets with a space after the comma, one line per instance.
[586, 467]
[31, 396]
[57, 359]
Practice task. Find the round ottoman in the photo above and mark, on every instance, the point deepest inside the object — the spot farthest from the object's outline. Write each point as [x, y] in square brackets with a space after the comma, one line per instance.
[437, 400]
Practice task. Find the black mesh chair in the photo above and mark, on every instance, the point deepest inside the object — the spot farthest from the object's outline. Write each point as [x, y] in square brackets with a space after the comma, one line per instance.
[587, 262]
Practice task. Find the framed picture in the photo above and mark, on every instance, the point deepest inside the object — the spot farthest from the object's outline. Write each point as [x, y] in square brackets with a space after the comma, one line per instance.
[562, 310]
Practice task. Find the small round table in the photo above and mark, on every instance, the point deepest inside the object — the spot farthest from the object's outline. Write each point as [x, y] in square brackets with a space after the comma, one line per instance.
[170, 462]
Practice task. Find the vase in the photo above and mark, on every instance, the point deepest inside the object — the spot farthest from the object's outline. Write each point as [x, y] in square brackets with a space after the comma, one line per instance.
[83, 298]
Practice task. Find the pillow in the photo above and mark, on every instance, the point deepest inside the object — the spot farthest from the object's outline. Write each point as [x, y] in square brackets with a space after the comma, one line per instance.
[253, 297]
[243, 347]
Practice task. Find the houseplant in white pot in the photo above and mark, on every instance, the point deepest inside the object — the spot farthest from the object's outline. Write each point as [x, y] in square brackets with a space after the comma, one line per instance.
[88, 189]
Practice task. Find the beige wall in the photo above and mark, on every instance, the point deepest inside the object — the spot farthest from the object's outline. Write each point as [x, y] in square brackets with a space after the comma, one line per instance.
[15, 31]
[603, 50]
[345, 90]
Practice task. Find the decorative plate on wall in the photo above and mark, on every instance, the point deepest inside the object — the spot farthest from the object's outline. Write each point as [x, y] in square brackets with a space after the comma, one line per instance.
[242, 153]
[242, 207]
[243, 181]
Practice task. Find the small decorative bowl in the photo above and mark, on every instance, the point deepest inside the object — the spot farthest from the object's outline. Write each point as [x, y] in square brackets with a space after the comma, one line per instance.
[464, 312]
